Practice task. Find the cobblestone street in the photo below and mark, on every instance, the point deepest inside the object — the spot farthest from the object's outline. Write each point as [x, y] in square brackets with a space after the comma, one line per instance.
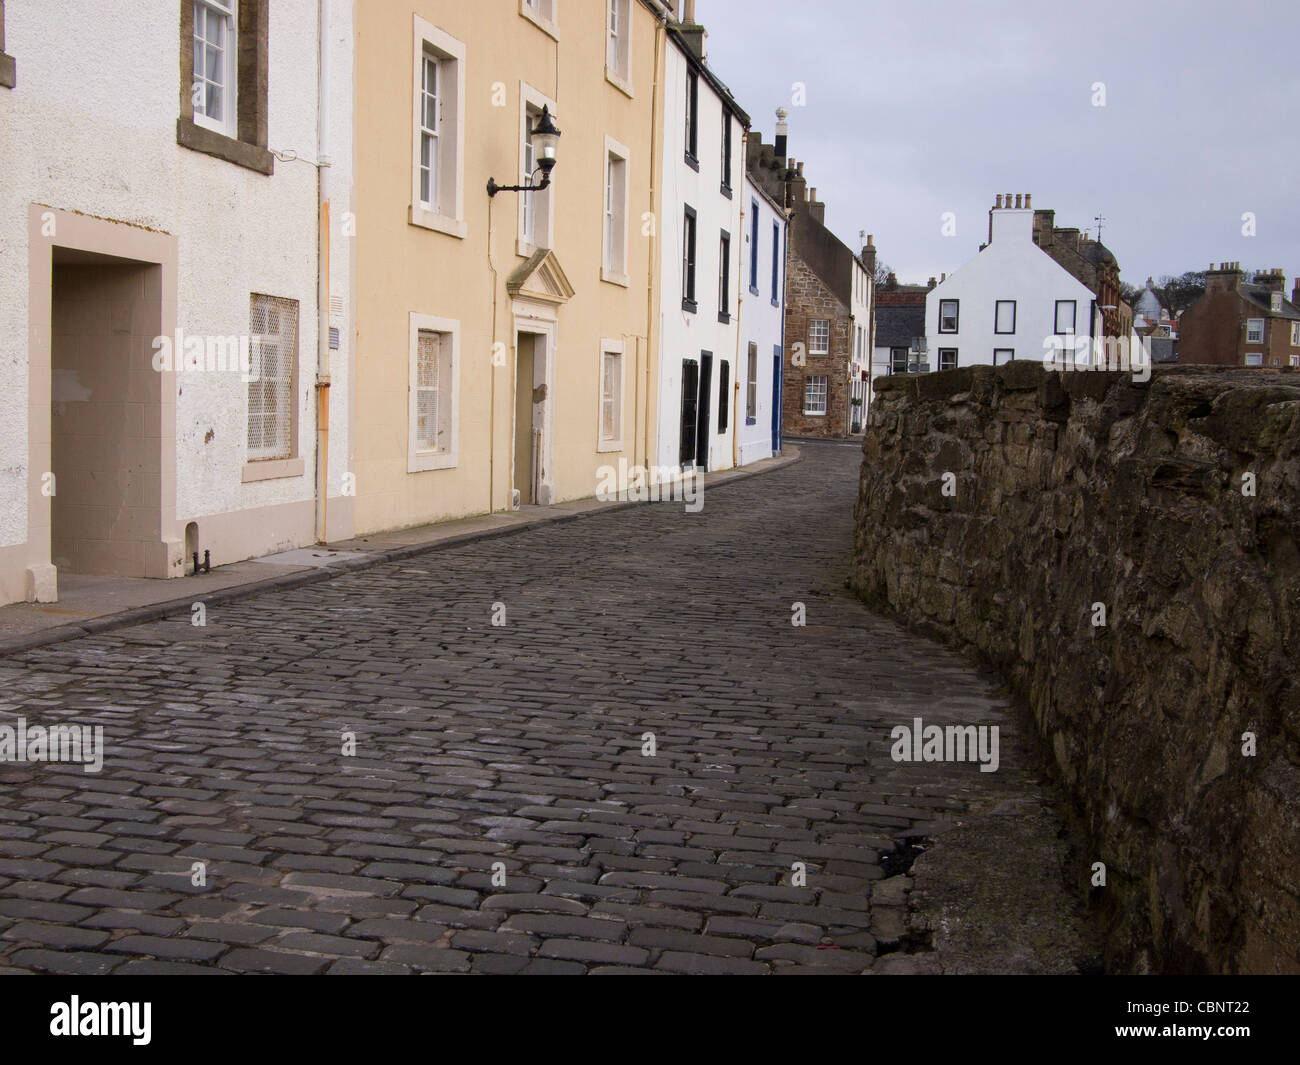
[520, 744]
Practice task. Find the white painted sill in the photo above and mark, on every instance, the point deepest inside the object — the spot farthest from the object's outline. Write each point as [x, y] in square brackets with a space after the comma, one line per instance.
[614, 279]
[549, 28]
[272, 469]
[440, 223]
[609, 445]
[422, 462]
[619, 82]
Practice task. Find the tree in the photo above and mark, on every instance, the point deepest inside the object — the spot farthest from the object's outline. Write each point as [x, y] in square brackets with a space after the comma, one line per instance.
[883, 270]
[1130, 294]
[1176, 294]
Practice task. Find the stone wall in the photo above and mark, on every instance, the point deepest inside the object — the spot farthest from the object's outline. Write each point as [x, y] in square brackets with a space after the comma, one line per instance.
[1081, 491]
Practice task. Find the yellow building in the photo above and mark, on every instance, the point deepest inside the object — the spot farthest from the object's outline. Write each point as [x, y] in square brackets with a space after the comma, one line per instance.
[503, 342]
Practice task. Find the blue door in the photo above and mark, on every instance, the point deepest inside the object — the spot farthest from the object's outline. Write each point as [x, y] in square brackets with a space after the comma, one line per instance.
[776, 399]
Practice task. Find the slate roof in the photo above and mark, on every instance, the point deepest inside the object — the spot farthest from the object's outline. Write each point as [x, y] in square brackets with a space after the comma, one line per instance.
[897, 326]
[1261, 297]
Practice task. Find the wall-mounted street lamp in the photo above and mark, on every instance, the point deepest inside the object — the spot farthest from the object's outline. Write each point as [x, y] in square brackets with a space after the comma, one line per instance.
[544, 137]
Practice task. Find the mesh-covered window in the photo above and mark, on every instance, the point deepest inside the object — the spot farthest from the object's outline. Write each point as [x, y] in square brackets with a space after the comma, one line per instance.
[273, 348]
[432, 398]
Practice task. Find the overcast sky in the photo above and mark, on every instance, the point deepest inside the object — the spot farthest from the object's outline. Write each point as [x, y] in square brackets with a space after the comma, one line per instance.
[916, 109]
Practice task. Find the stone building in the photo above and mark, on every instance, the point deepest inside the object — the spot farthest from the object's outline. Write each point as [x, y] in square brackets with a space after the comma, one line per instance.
[828, 300]
[1236, 322]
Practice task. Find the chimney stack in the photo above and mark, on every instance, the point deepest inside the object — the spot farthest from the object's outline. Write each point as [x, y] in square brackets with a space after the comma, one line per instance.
[931, 283]
[782, 133]
[1295, 293]
[691, 30]
[869, 255]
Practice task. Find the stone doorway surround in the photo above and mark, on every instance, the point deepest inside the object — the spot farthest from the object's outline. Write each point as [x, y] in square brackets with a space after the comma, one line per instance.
[49, 228]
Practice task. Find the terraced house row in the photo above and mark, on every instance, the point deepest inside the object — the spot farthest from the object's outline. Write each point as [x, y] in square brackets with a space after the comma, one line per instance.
[321, 268]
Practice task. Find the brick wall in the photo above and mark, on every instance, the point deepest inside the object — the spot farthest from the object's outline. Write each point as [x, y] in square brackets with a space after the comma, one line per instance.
[806, 298]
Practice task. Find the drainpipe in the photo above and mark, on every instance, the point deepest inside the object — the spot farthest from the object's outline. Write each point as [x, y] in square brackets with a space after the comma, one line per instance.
[652, 245]
[323, 274]
[740, 302]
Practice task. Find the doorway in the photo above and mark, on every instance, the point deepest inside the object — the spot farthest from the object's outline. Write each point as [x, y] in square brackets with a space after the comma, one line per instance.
[702, 412]
[776, 399]
[105, 401]
[530, 475]
[690, 421]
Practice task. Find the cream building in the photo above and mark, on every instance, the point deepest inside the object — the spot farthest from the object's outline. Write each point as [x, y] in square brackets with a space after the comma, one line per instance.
[503, 341]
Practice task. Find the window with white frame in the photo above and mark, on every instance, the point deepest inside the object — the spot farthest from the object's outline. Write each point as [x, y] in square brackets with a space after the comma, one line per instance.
[432, 393]
[618, 55]
[1254, 358]
[273, 368]
[947, 358]
[1295, 361]
[1066, 317]
[949, 315]
[215, 65]
[438, 147]
[814, 394]
[611, 396]
[542, 12]
[898, 360]
[751, 384]
[1254, 330]
[1004, 316]
[1295, 334]
[536, 209]
[819, 336]
[614, 261]
[1003, 355]
[1275, 302]
[753, 247]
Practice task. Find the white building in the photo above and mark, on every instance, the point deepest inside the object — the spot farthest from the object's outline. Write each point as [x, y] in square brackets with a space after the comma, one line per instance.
[1012, 301]
[701, 235]
[162, 209]
[860, 341]
[762, 325]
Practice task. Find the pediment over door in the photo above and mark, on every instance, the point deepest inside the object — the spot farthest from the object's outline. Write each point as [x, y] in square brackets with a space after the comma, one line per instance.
[541, 278]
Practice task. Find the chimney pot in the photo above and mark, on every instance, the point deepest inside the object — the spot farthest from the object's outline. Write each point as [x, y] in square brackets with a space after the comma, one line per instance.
[998, 202]
[1017, 201]
[1007, 199]
[871, 240]
[1027, 198]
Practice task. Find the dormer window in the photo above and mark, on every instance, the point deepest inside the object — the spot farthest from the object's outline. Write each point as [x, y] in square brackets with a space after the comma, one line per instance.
[1275, 304]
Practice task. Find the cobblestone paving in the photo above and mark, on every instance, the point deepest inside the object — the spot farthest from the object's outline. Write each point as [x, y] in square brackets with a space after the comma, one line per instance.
[520, 745]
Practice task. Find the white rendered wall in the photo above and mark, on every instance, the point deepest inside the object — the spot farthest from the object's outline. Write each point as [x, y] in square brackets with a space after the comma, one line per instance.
[99, 137]
[761, 322]
[682, 334]
[1012, 267]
